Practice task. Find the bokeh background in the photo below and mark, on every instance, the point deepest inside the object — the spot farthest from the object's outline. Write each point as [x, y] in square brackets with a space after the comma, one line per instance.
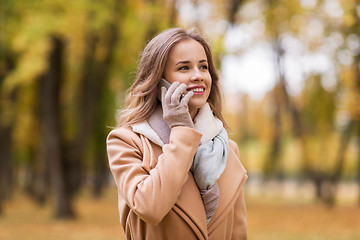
[290, 74]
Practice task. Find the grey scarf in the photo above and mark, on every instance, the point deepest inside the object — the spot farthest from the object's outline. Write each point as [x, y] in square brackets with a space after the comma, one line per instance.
[210, 160]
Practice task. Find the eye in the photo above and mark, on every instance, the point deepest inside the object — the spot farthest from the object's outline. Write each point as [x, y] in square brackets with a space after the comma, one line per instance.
[184, 68]
[205, 67]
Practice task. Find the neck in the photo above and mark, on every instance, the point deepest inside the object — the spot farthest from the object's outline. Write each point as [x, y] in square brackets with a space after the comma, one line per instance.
[193, 112]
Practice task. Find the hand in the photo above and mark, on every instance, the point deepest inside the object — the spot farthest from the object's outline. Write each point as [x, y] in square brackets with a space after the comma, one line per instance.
[175, 107]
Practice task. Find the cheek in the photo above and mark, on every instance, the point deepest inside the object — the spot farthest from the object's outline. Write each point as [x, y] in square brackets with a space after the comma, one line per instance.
[209, 83]
[180, 80]
[176, 78]
[210, 87]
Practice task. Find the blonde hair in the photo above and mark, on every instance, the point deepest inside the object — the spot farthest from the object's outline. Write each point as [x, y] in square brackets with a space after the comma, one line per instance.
[141, 100]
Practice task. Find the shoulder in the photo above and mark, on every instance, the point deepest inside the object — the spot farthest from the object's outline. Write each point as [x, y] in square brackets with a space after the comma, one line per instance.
[123, 142]
[123, 134]
[120, 131]
[234, 147]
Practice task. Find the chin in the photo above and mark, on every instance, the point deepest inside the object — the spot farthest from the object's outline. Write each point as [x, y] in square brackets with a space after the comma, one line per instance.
[197, 104]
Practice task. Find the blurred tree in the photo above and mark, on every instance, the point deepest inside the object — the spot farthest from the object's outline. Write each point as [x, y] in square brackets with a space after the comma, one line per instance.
[312, 113]
[278, 21]
[99, 51]
[50, 85]
[233, 7]
[318, 114]
[5, 137]
[7, 62]
[351, 84]
[348, 91]
[71, 61]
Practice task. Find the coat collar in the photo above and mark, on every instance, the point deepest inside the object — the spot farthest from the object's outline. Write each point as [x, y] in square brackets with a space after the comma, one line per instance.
[145, 129]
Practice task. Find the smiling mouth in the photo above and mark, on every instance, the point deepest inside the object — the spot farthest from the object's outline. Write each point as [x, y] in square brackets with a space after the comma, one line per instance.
[197, 90]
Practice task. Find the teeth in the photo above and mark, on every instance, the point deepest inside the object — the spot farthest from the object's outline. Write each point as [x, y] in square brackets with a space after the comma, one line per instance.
[197, 90]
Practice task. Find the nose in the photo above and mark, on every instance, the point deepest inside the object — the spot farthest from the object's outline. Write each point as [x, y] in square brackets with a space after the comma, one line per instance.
[196, 76]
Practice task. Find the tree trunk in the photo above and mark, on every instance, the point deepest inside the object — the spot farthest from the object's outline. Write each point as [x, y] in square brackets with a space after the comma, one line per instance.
[244, 121]
[99, 126]
[38, 182]
[275, 148]
[101, 170]
[5, 164]
[271, 165]
[5, 141]
[318, 179]
[93, 82]
[51, 132]
[232, 9]
[329, 197]
[75, 149]
[173, 13]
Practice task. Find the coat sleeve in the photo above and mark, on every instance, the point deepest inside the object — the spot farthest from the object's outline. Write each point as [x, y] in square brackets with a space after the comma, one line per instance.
[240, 223]
[151, 194]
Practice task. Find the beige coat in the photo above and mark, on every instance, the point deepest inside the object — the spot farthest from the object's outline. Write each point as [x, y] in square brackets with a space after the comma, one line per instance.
[158, 197]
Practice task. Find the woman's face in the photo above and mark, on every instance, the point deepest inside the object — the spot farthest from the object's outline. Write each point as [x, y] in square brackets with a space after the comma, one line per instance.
[188, 64]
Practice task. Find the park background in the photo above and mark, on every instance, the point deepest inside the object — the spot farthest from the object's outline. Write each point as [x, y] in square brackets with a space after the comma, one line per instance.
[290, 75]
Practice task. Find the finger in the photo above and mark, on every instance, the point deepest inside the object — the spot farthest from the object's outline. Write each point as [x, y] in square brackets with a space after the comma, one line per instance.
[175, 97]
[171, 89]
[185, 100]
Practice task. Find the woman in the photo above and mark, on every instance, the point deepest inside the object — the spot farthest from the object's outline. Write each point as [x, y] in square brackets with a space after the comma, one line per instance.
[177, 173]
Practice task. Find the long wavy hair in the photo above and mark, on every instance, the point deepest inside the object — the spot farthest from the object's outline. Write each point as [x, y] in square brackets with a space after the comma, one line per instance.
[141, 100]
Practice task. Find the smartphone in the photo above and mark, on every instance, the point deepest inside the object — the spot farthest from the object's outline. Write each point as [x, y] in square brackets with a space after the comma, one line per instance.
[162, 83]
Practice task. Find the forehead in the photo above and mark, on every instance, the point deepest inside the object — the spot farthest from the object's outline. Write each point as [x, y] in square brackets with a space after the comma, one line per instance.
[188, 49]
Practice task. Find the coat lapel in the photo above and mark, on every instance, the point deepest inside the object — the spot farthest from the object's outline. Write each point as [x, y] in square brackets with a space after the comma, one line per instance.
[191, 208]
[229, 186]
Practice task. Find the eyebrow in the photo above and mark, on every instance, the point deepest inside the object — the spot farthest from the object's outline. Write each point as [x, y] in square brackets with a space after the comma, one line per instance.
[186, 62]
